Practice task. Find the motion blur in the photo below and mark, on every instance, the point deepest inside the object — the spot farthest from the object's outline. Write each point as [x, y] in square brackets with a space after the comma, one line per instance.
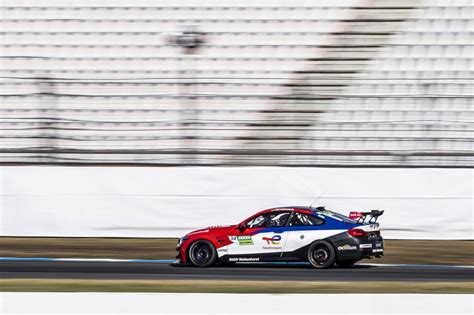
[291, 83]
[129, 129]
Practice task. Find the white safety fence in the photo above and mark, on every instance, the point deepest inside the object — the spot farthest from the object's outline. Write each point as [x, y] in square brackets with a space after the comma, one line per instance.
[170, 201]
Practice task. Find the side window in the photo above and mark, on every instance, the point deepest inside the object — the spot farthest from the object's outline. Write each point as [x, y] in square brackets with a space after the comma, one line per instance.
[269, 219]
[257, 222]
[301, 219]
[278, 219]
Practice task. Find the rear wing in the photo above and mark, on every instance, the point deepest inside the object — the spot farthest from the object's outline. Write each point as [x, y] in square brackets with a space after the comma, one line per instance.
[361, 216]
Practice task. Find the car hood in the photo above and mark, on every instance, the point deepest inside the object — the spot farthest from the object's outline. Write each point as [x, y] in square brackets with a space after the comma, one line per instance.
[213, 229]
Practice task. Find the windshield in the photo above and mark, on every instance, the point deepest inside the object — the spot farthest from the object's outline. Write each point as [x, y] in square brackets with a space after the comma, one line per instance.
[269, 219]
[336, 216]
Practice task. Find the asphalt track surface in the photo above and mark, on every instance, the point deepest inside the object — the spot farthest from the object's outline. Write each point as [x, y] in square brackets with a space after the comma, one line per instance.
[257, 272]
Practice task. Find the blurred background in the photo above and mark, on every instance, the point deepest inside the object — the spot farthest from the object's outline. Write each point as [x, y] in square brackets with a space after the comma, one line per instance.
[254, 83]
[371, 100]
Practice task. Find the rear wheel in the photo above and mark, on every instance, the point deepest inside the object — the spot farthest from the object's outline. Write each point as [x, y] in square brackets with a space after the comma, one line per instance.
[321, 255]
[346, 263]
[202, 254]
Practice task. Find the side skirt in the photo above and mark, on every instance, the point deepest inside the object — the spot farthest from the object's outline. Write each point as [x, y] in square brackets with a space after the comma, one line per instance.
[297, 255]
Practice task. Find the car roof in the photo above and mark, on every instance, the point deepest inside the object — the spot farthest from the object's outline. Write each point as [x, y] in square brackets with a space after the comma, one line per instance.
[302, 209]
[292, 208]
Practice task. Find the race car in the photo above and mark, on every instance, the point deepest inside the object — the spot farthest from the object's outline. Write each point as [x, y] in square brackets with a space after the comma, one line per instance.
[316, 235]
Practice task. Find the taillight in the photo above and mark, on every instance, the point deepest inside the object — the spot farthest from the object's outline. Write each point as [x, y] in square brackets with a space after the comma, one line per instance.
[357, 232]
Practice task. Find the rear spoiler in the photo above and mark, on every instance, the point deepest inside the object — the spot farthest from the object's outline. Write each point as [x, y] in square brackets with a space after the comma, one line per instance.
[361, 216]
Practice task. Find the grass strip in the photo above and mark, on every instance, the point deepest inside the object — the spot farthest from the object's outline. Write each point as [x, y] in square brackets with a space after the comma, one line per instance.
[224, 286]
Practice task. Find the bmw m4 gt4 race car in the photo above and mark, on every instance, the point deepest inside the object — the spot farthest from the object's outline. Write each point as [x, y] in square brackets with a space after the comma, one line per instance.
[319, 236]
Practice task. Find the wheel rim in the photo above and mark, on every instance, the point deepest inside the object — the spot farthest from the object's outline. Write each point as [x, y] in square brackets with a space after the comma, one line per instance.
[320, 256]
[201, 253]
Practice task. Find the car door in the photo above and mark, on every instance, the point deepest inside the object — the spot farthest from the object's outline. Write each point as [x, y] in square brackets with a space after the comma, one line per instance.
[302, 230]
[263, 237]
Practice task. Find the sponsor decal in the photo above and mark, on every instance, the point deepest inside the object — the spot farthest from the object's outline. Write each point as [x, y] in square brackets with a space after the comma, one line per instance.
[274, 240]
[365, 245]
[378, 244]
[272, 247]
[347, 247]
[222, 250]
[242, 240]
[244, 259]
[354, 215]
[377, 250]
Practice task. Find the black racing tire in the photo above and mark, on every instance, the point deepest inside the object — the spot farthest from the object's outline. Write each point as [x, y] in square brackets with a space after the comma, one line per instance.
[202, 253]
[346, 263]
[321, 255]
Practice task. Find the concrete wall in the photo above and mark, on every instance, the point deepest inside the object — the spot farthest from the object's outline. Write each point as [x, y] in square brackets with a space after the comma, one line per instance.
[168, 202]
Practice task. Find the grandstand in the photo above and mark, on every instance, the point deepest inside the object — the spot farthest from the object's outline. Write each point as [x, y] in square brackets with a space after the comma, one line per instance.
[294, 83]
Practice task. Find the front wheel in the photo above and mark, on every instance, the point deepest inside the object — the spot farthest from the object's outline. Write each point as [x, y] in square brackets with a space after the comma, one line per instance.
[321, 255]
[202, 254]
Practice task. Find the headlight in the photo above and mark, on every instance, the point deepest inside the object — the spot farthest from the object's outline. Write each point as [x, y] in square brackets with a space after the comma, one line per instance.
[182, 240]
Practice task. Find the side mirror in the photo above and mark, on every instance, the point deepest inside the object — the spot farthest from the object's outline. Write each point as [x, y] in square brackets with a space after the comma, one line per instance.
[241, 227]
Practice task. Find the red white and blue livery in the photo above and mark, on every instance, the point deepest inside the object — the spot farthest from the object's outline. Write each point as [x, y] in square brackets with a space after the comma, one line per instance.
[321, 237]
